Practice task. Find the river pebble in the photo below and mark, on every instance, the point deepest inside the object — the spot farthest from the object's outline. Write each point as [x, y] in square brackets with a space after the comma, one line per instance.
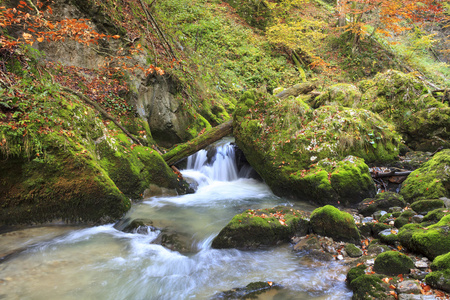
[408, 287]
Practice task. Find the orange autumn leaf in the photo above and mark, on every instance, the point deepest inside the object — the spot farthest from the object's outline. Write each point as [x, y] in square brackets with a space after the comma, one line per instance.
[116, 36]
[40, 39]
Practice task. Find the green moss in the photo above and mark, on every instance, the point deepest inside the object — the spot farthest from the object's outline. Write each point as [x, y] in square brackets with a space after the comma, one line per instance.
[393, 263]
[382, 201]
[367, 287]
[378, 227]
[430, 241]
[441, 262]
[404, 218]
[439, 280]
[355, 272]
[430, 181]
[424, 206]
[330, 221]
[261, 228]
[352, 251]
[436, 215]
[281, 139]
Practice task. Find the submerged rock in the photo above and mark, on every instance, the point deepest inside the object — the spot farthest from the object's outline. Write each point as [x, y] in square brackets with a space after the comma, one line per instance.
[330, 221]
[251, 291]
[254, 229]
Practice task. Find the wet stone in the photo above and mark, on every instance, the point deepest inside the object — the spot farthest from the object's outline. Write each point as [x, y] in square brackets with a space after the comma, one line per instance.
[320, 255]
[418, 274]
[408, 287]
[370, 262]
[415, 297]
[387, 232]
[417, 218]
[420, 264]
[378, 214]
[367, 220]
[395, 209]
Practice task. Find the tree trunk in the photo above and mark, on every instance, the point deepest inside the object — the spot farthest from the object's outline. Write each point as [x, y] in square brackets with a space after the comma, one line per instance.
[198, 143]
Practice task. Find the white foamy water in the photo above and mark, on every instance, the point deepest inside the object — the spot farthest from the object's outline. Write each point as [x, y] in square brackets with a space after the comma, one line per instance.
[105, 263]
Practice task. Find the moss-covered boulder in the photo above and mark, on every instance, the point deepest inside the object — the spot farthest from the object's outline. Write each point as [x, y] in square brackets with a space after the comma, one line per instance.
[404, 218]
[425, 206]
[430, 181]
[73, 167]
[401, 99]
[261, 228]
[330, 221]
[352, 250]
[430, 241]
[435, 216]
[439, 280]
[406, 102]
[382, 201]
[341, 94]
[369, 287]
[393, 263]
[300, 152]
[441, 262]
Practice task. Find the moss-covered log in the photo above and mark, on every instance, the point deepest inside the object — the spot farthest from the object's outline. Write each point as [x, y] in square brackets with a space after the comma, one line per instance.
[298, 89]
[198, 143]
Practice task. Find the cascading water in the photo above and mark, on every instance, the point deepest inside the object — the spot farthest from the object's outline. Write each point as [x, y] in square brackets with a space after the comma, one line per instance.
[105, 263]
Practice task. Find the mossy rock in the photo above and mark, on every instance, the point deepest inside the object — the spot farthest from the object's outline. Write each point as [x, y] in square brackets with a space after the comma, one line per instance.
[355, 272]
[375, 247]
[404, 218]
[393, 263]
[341, 94]
[261, 228]
[388, 237]
[441, 262]
[316, 155]
[251, 291]
[430, 181]
[352, 250]
[439, 280]
[330, 221]
[425, 206]
[382, 201]
[405, 101]
[134, 226]
[378, 227]
[436, 215]
[430, 241]
[369, 287]
[82, 172]
[413, 160]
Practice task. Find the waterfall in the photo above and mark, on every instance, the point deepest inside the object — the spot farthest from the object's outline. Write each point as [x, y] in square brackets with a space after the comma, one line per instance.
[217, 163]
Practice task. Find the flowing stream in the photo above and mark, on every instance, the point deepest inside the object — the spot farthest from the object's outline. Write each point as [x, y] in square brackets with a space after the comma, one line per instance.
[105, 263]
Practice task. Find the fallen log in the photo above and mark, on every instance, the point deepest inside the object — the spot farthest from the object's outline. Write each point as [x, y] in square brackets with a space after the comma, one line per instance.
[298, 89]
[207, 138]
